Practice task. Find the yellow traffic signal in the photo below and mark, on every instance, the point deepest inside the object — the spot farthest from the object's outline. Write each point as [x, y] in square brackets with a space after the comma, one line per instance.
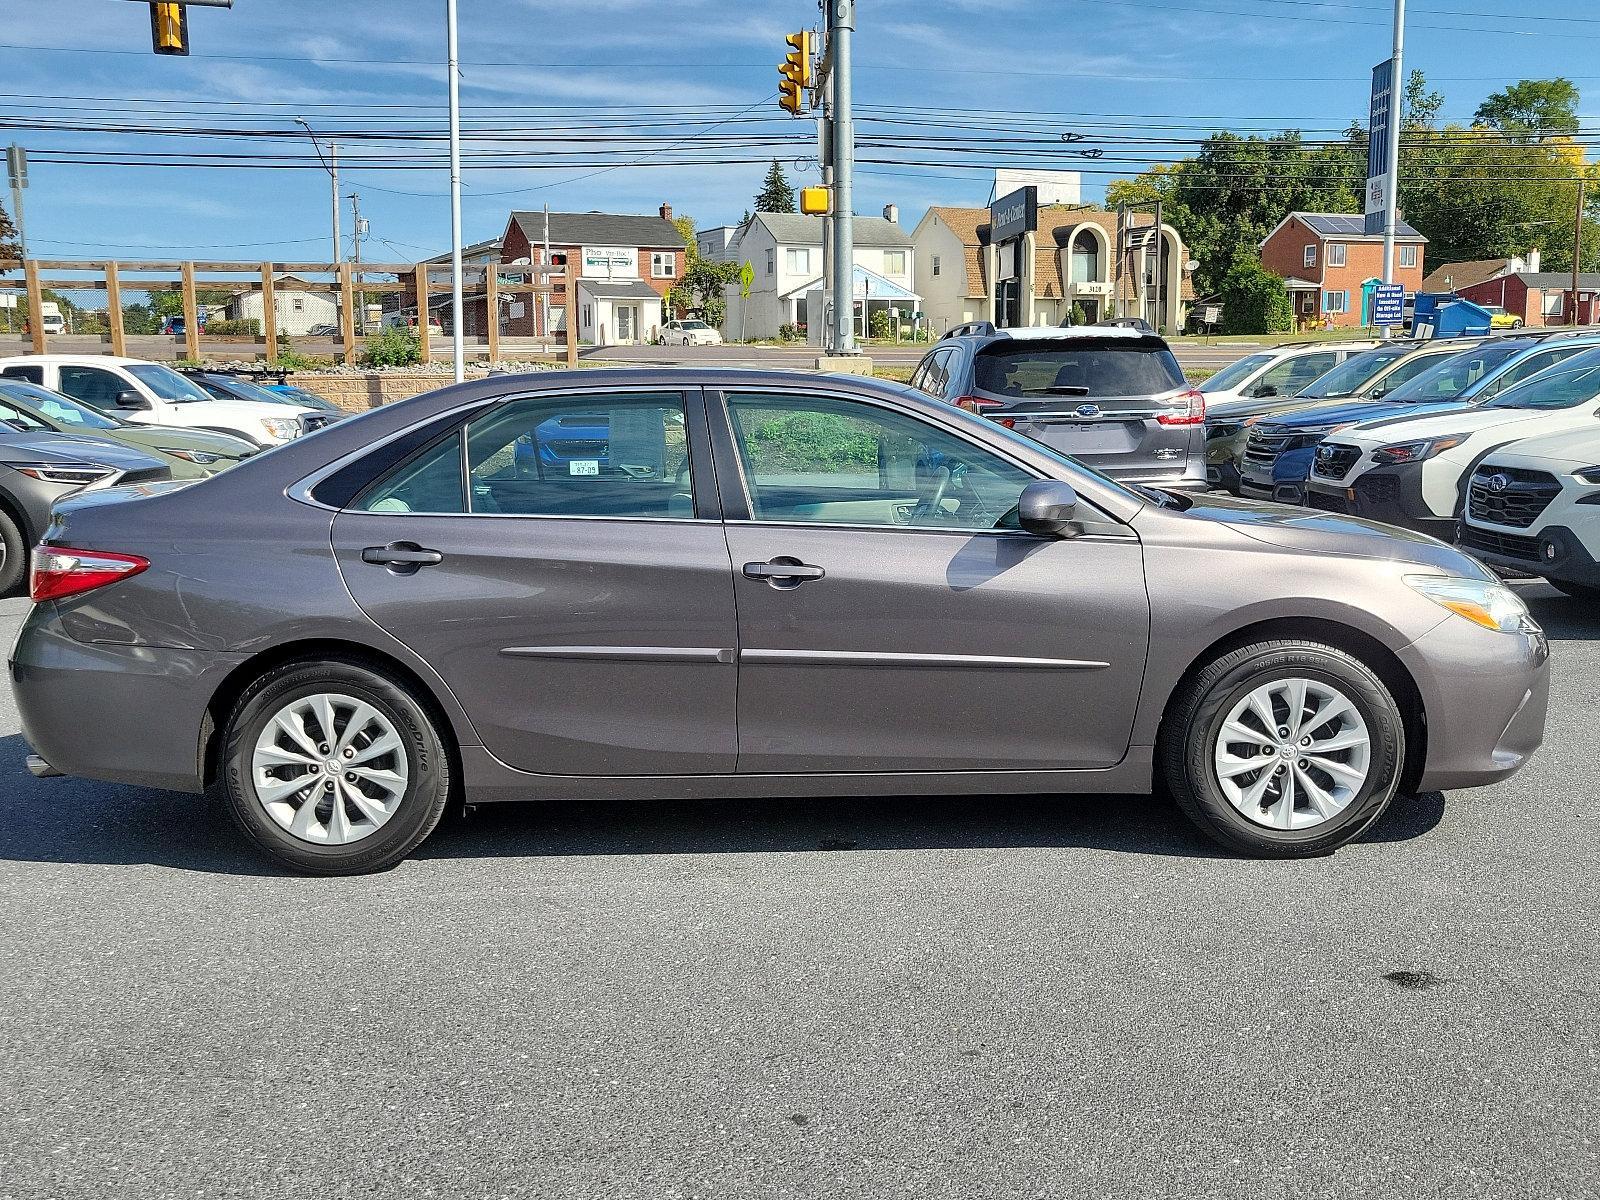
[169, 28]
[794, 76]
[815, 201]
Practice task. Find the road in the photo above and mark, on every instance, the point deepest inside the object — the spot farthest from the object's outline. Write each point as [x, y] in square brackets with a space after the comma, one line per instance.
[967, 998]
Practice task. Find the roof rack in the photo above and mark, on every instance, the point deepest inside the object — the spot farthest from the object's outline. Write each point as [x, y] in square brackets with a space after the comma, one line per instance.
[972, 329]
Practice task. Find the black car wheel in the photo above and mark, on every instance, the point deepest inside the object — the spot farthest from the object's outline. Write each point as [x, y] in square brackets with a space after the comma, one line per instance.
[1283, 749]
[14, 551]
[333, 769]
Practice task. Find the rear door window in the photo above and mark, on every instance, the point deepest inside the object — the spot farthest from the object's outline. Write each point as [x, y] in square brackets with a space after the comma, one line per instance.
[95, 387]
[1106, 368]
[33, 374]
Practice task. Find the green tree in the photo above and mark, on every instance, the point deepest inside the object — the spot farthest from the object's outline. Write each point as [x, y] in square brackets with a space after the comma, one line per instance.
[1420, 109]
[1532, 110]
[1254, 300]
[706, 283]
[168, 302]
[10, 247]
[776, 194]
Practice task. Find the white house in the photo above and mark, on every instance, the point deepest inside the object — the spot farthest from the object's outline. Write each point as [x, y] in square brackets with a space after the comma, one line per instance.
[784, 251]
[297, 305]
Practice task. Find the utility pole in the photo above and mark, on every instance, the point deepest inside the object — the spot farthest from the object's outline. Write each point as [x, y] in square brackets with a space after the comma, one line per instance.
[17, 169]
[358, 234]
[841, 25]
[331, 166]
[1391, 212]
[1577, 250]
[457, 333]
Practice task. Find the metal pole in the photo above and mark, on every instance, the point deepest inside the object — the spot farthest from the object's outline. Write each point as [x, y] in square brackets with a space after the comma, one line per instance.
[455, 196]
[22, 225]
[1391, 208]
[1577, 250]
[355, 253]
[843, 13]
[544, 296]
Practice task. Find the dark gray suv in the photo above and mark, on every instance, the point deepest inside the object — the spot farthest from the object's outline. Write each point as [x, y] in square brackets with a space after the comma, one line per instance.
[726, 583]
[1112, 397]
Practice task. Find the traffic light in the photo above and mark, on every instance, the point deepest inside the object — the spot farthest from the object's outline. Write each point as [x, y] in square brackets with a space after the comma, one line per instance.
[169, 28]
[794, 76]
[815, 201]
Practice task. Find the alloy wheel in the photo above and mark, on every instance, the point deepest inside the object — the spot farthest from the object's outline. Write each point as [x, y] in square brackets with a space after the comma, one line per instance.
[1293, 754]
[330, 769]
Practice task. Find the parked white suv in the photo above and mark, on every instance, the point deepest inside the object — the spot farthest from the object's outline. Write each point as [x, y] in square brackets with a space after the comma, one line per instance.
[148, 393]
[1413, 471]
[1534, 507]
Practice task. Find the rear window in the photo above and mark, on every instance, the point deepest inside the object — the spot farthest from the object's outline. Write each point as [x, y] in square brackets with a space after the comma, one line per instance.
[1082, 367]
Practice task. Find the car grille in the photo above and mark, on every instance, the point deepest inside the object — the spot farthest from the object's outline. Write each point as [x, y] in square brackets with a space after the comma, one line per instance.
[1334, 461]
[1265, 445]
[311, 422]
[1327, 503]
[1226, 429]
[1506, 545]
[575, 447]
[1518, 501]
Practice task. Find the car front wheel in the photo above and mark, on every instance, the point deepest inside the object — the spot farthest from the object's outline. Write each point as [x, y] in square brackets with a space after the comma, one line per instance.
[13, 554]
[334, 769]
[1283, 749]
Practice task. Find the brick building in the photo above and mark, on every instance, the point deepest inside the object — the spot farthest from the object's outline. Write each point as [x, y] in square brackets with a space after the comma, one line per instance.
[1330, 266]
[1536, 298]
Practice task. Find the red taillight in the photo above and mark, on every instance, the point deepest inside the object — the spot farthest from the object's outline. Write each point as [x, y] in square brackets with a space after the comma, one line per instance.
[1193, 414]
[61, 571]
[981, 406]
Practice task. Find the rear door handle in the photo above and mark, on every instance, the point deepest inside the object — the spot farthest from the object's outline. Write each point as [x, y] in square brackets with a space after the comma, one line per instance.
[403, 558]
[783, 572]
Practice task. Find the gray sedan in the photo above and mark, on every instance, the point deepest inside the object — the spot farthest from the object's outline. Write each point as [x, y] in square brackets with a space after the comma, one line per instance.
[675, 584]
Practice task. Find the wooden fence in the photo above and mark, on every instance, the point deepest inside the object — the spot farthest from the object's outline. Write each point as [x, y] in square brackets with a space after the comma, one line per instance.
[483, 283]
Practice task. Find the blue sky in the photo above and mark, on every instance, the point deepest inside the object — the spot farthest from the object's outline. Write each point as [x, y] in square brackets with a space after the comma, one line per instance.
[1092, 64]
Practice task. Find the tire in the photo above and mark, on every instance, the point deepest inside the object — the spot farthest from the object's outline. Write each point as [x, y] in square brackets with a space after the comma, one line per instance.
[420, 758]
[1188, 750]
[1578, 591]
[14, 568]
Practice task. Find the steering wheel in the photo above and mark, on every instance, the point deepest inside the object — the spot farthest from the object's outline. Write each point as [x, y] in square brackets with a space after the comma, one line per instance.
[928, 505]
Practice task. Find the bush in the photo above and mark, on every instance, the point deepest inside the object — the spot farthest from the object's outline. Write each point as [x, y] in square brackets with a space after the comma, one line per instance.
[392, 348]
[815, 441]
[250, 328]
[882, 324]
[293, 360]
[1079, 316]
[1254, 300]
[791, 332]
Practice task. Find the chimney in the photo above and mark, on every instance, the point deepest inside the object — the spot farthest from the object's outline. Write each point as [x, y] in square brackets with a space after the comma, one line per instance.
[1533, 260]
[666, 212]
[891, 213]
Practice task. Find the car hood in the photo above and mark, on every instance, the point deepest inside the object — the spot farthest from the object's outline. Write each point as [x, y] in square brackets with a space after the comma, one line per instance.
[166, 437]
[242, 411]
[61, 447]
[1308, 531]
[1415, 426]
[1563, 451]
[1327, 416]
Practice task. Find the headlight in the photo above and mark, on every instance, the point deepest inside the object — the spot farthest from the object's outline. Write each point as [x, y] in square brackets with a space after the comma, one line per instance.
[199, 458]
[1481, 601]
[282, 428]
[1588, 474]
[1410, 452]
[79, 474]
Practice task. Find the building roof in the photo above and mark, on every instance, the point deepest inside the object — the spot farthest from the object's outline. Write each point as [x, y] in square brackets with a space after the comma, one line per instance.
[1587, 280]
[793, 229]
[599, 229]
[619, 289]
[1347, 227]
[491, 246]
[1465, 274]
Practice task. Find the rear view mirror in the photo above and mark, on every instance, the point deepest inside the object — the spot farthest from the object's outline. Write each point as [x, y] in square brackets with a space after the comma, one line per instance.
[128, 398]
[1047, 508]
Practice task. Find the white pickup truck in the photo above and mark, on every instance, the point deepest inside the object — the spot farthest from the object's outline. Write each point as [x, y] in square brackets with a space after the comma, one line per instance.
[148, 393]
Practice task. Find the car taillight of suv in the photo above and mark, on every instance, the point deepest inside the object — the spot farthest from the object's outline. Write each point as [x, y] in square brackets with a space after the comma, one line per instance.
[1193, 411]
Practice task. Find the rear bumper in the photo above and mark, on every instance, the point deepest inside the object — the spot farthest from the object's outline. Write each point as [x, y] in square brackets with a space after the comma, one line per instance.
[127, 714]
[1485, 695]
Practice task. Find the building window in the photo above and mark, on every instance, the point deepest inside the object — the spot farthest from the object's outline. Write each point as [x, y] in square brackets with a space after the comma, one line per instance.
[1335, 302]
[1336, 254]
[798, 261]
[588, 315]
[1553, 304]
[894, 262]
[1085, 265]
[936, 264]
[771, 254]
[661, 264]
[1408, 256]
[1311, 255]
[298, 304]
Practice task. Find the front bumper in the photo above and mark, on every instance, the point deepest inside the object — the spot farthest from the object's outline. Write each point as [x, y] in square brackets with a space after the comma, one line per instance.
[1555, 552]
[1392, 495]
[1485, 695]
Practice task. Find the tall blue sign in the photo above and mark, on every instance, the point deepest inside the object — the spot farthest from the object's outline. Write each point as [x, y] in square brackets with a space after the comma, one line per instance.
[1380, 120]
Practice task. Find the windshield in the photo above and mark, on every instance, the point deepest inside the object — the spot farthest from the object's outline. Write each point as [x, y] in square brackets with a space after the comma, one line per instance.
[1227, 378]
[1572, 383]
[1109, 367]
[1453, 376]
[245, 390]
[168, 384]
[1354, 373]
[693, 325]
[55, 406]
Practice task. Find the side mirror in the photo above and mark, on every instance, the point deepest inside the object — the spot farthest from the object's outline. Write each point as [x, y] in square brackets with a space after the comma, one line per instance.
[129, 398]
[1266, 390]
[1047, 507]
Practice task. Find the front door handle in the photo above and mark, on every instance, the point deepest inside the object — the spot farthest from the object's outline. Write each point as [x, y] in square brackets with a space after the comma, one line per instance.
[402, 558]
[783, 572]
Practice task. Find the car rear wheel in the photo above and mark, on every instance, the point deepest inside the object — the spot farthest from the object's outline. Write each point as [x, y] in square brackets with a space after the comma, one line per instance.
[13, 554]
[1283, 749]
[333, 769]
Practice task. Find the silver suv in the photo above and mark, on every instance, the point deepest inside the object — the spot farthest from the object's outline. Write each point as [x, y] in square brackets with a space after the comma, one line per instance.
[1113, 398]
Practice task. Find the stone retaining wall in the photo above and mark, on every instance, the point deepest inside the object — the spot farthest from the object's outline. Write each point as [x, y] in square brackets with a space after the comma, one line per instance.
[357, 392]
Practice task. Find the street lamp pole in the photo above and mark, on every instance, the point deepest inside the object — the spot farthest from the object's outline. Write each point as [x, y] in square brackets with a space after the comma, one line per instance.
[332, 167]
[455, 197]
[1391, 210]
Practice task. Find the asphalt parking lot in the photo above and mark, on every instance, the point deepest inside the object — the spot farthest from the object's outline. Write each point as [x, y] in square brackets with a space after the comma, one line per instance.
[964, 998]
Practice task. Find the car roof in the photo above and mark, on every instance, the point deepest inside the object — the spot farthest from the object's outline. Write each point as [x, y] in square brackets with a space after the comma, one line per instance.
[95, 360]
